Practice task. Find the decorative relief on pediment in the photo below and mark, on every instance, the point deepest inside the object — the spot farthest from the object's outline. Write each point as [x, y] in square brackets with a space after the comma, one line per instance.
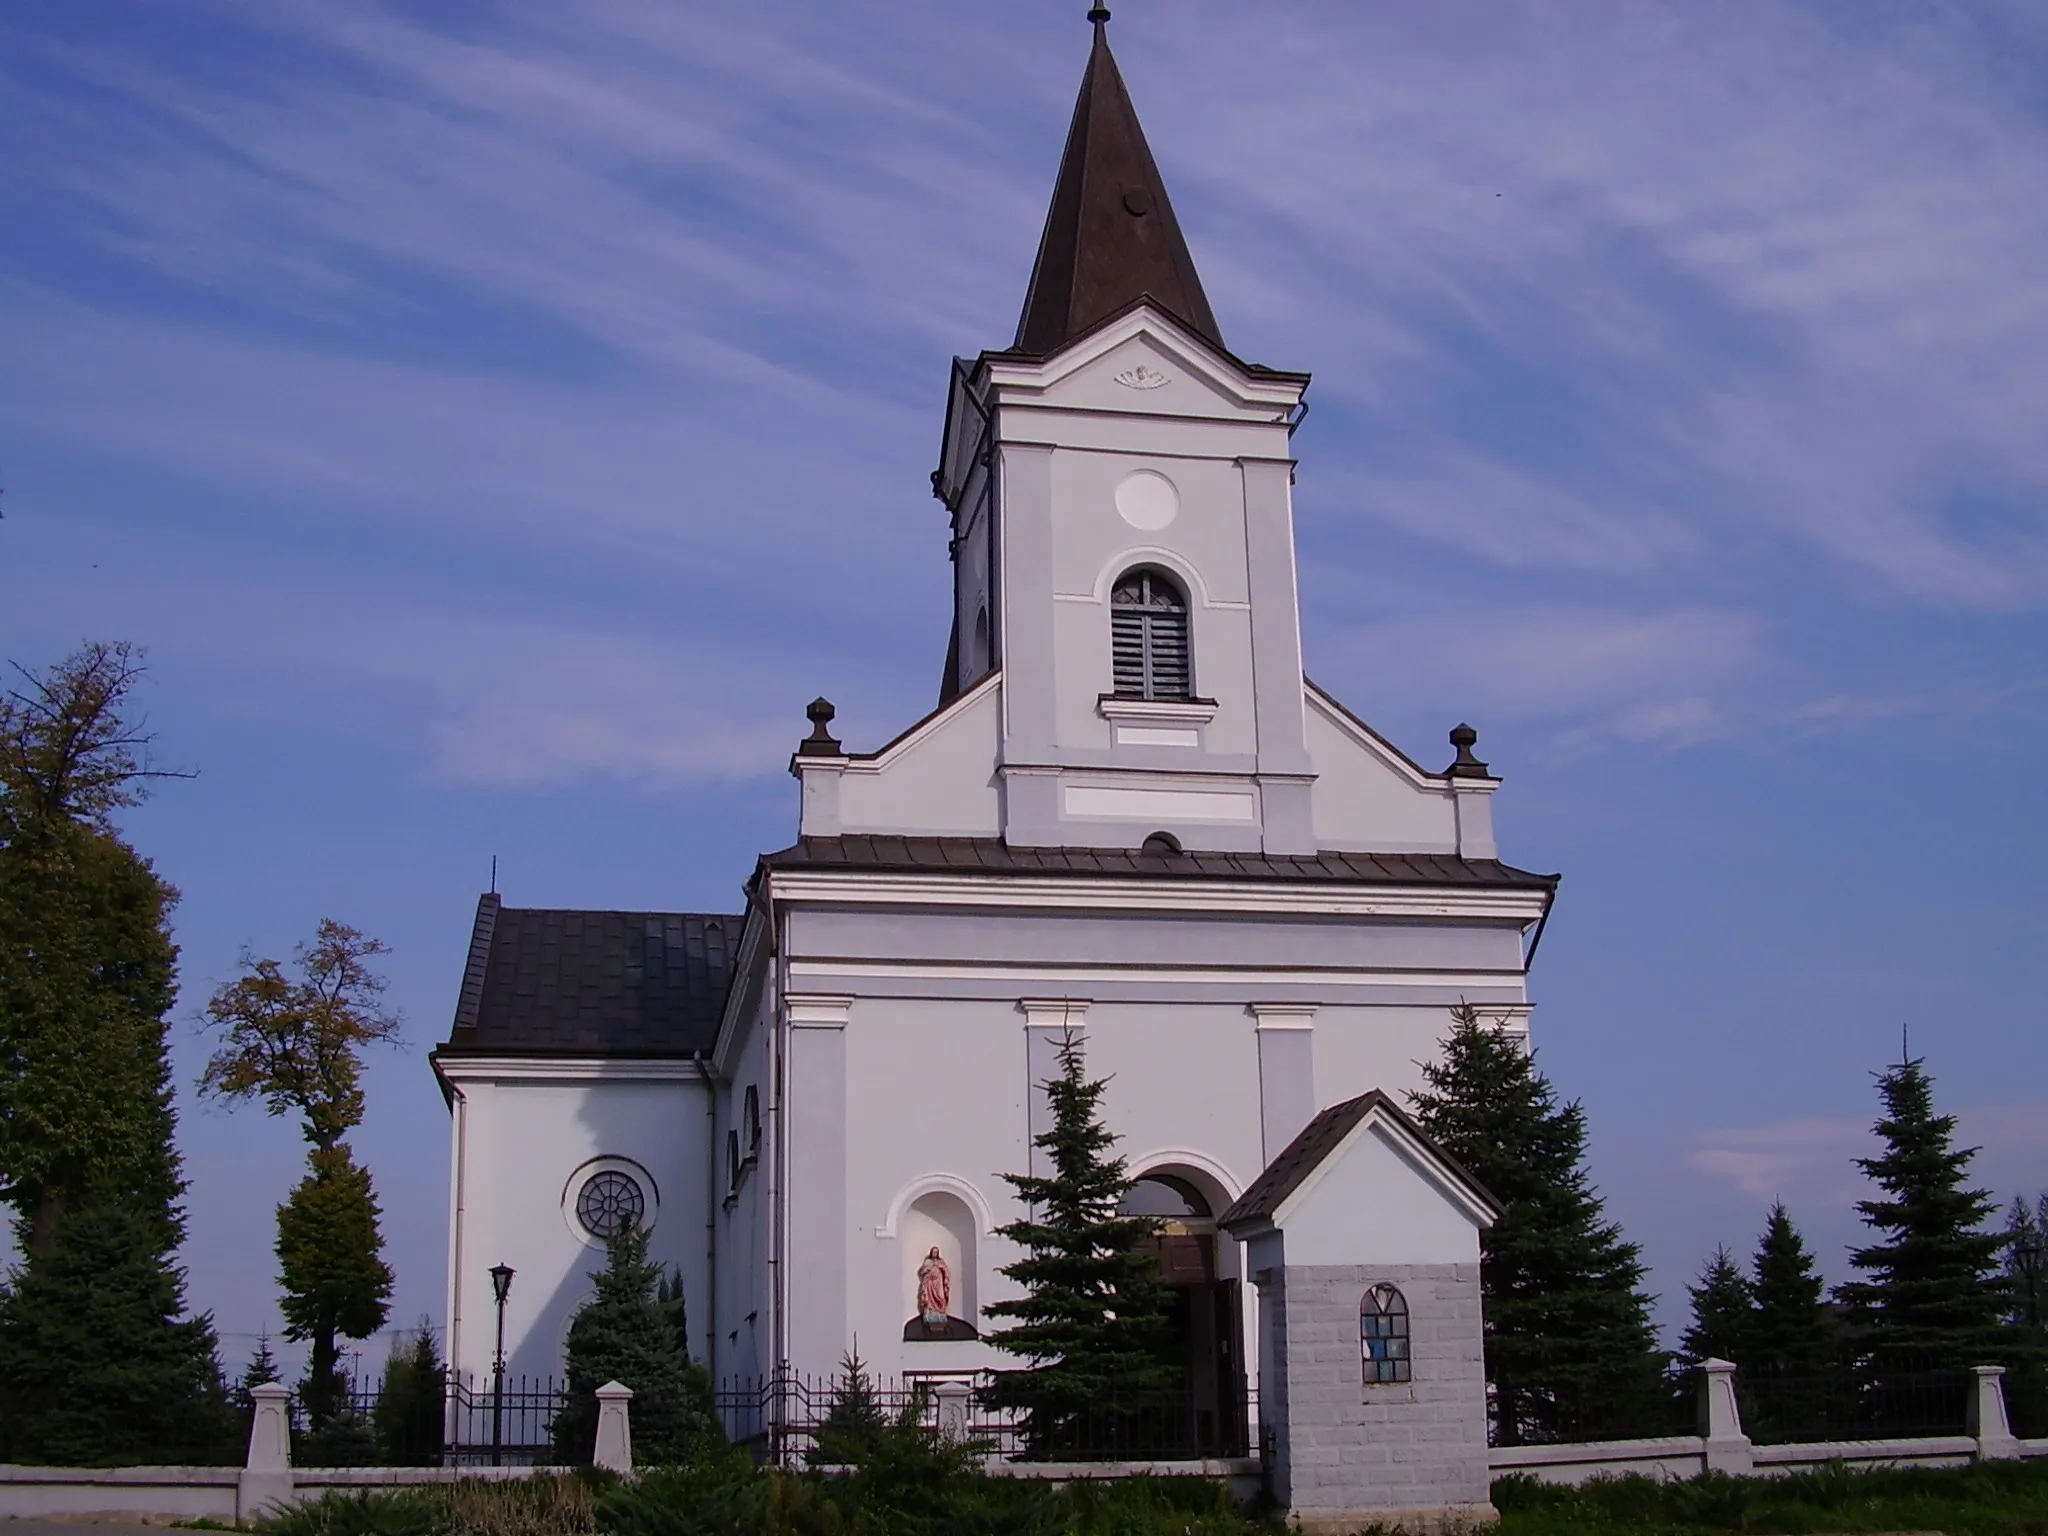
[1142, 377]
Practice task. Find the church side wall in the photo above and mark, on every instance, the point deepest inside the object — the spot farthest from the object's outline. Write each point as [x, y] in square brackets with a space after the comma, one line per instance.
[530, 1145]
[742, 1346]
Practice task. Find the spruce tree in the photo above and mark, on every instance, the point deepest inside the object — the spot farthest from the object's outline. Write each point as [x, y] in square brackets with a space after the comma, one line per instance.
[99, 1366]
[2026, 1247]
[1795, 1341]
[1932, 1296]
[1794, 1333]
[1093, 1316]
[624, 1334]
[1569, 1347]
[408, 1419]
[1723, 1322]
[855, 1423]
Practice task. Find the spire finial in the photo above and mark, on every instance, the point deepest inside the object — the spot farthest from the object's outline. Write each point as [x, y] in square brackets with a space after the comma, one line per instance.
[1098, 13]
[1467, 766]
[819, 743]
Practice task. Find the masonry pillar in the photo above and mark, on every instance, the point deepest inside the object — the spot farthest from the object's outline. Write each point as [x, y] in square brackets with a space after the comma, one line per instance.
[814, 1111]
[1287, 1072]
[1728, 1448]
[266, 1482]
[1988, 1420]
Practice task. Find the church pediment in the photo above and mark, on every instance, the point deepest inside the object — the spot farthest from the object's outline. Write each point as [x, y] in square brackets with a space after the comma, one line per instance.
[1144, 361]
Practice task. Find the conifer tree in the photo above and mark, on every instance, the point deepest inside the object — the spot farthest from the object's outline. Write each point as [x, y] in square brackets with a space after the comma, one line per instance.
[1932, 1296]
[1793, 1333]
[99, 1366]
[624, 1334]
[855, 1423]
[87, 1162]
[408, 1419]
[2026, 1244]
[1093, 1316]
[1723, 1322]
[1569, 1347]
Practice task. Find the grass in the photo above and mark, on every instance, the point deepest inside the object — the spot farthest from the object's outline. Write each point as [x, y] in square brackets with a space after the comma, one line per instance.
[917, 1496]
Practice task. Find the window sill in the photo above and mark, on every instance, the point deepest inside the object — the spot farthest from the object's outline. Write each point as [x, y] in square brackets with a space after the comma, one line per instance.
[1116, 706]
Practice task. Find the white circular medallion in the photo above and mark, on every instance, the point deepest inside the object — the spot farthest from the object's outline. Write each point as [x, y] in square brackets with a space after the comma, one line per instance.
[1146, 499]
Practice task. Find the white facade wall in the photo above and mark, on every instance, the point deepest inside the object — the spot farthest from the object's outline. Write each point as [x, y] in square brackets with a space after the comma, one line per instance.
[521, 1145]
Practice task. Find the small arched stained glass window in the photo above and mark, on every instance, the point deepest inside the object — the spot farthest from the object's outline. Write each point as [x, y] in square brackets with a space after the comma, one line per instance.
[610, 1202]
[1383, 1335]
[1148, 637]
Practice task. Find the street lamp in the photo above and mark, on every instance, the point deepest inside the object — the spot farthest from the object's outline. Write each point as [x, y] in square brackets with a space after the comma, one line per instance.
[501, 1287]
[2026, 1255]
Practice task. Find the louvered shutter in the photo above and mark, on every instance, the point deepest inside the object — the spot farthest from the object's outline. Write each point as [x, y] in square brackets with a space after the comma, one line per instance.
[1148, 638]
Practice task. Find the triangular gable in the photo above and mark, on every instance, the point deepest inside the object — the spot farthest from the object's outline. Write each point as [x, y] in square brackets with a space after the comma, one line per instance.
[1324, 1142]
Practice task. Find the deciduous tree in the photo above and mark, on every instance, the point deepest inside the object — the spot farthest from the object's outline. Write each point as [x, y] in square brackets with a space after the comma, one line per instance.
[294, 1042]
[1569, 1347]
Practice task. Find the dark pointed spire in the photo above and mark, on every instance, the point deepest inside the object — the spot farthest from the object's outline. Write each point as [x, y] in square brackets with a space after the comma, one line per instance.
[1110, 237]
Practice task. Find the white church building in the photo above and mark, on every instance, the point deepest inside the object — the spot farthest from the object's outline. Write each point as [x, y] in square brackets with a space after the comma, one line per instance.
[1131, 814]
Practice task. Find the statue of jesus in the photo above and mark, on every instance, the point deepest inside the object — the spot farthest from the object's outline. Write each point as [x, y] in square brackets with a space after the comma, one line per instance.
[934, 1289]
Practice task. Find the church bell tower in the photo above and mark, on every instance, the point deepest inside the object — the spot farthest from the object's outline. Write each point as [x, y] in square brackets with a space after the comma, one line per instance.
[1119, 485]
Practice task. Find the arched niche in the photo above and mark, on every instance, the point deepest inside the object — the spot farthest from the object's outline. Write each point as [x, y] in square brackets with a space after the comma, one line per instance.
[939, 1219]
[1210, 1187]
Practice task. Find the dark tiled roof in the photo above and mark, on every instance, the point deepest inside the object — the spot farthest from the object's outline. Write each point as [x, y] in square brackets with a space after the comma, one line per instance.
[554, 983]
[991, 855]
[1318, 1139]
[1110, 234]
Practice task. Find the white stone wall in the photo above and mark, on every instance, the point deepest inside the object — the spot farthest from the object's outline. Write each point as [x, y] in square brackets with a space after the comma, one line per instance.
[1417, 1445]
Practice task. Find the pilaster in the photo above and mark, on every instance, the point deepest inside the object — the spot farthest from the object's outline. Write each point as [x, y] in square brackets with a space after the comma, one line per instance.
[1287, 1079]
[814, 1100]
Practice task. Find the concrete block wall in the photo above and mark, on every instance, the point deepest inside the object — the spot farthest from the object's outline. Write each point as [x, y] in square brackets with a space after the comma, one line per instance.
[1416, 1447]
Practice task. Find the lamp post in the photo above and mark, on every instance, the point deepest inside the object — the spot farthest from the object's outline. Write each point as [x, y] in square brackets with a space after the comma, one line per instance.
[501, 1287]
[2027, 1256]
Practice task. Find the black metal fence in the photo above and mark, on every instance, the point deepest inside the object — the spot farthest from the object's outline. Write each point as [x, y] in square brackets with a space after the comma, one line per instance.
[1900, 1400]
[470, 1424]
[791, 1418]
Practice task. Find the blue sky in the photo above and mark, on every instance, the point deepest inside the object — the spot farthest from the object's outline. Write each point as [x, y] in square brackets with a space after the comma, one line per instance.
[498, 421]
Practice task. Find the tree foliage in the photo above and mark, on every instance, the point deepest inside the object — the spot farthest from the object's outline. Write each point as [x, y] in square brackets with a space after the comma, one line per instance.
[1723, 1321]
[1932, 1290]
[295, 1042]
[2026, 1231]
[1092, 1318]
[624, 1333]
[99, 1366]
[87, 965]
[1569, 1347]
[335, 1284]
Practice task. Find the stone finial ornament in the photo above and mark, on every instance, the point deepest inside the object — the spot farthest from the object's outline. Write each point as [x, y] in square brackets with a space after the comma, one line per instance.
[1466, 766]
[820, 743]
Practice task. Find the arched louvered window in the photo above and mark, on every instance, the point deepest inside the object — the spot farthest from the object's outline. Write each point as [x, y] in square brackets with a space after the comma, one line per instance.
[1148, 637]
[1383, 1335]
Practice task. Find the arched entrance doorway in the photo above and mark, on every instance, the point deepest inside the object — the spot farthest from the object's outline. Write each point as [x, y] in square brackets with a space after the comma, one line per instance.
[1207, 1311]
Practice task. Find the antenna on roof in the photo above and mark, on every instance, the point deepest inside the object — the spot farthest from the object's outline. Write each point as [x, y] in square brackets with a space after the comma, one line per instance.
[494, 874]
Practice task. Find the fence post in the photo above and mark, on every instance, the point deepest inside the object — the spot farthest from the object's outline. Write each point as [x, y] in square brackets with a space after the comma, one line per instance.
[614, 1450]
[1988, 1420]
[1727, 1448]
[952, 1398]
[266, 1480]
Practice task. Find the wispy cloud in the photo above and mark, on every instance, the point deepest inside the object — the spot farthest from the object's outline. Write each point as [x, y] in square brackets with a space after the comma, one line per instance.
[1813, 1160]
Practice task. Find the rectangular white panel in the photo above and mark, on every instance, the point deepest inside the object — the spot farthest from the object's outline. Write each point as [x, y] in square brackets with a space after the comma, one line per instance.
[1158, 804]
[1156, 736]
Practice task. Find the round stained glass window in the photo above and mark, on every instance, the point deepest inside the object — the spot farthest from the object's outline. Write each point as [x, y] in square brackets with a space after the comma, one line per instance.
[610, 1202]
